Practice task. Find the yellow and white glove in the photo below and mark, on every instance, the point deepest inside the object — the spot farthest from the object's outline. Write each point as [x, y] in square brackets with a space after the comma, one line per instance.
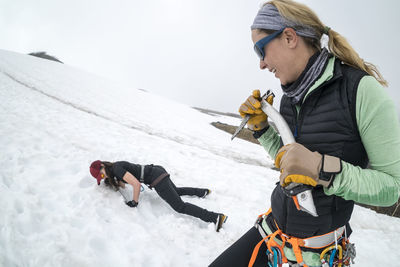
[252, 106]
[300, 165]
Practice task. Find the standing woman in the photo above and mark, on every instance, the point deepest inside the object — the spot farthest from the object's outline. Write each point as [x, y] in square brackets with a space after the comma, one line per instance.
[342, 120]
[119, 173]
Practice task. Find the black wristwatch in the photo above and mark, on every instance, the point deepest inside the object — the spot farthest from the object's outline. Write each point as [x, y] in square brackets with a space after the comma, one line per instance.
[259, 133]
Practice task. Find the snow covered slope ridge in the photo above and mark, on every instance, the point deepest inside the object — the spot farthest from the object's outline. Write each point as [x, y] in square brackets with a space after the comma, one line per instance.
[55, 120]
[134, 108]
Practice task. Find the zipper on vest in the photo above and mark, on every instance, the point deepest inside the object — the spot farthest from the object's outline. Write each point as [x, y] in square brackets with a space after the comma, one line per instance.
[298, 113]
[296, 122]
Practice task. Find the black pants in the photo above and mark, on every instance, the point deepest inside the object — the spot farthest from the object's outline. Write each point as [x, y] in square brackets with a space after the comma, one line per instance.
[171, 194]
[239, 253]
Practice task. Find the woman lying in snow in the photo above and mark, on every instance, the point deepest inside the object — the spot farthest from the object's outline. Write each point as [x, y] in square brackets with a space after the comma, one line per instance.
[119, 173]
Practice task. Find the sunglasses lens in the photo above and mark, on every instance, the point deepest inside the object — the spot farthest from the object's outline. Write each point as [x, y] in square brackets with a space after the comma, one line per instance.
[259, 52]
[259, 46]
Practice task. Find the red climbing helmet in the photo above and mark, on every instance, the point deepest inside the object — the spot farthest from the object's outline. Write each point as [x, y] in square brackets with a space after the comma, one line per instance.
[95, 168]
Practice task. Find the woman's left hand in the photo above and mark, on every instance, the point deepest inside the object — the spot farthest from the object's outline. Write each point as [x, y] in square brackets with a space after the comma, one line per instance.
[299, 165]
[132, 203]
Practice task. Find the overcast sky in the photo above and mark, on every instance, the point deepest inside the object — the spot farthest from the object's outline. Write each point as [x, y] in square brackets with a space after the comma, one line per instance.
[198, 52]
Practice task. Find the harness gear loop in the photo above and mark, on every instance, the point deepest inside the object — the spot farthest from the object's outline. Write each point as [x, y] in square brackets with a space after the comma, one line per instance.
[336, 244]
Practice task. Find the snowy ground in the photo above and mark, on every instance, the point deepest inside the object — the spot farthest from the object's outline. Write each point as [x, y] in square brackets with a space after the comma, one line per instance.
[55, 120]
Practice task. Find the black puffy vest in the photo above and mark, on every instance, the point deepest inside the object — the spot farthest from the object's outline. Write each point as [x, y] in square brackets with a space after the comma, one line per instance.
[326, 123]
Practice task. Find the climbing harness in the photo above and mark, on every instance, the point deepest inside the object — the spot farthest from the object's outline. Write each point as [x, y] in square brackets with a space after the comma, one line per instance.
[337, 250]
[158, 179]
[155, 182]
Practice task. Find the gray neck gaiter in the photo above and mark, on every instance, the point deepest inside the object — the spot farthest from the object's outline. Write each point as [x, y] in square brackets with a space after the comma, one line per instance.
[299, 88]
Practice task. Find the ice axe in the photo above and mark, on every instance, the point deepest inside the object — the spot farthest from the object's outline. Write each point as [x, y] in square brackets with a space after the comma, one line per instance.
[127, 194]
[300, 193]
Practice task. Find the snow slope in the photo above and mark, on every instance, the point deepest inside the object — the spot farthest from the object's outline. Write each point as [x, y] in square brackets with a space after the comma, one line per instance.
[55, 120]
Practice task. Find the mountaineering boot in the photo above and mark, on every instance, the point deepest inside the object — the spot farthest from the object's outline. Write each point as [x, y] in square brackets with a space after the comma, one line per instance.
[206, 193]
[220, 221]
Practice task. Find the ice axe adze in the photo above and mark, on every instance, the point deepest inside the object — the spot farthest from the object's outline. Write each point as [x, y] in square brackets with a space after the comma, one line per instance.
[300, 193]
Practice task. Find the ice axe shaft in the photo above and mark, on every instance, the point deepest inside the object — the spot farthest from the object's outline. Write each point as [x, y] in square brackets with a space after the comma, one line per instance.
[301, 193]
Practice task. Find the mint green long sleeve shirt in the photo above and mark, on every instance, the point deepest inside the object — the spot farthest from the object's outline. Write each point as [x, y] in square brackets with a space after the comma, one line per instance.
[379, 129]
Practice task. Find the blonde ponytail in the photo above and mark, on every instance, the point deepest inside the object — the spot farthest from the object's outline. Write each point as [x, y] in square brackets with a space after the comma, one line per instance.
[341, 49]
[338, 45]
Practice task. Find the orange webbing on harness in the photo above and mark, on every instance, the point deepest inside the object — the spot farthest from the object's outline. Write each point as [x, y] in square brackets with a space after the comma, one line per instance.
[296, 243]
[257, 247]
[270, 241]
[255, 251]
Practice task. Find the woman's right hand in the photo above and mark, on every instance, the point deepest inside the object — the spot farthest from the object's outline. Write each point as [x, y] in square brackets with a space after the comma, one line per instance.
[252, 107]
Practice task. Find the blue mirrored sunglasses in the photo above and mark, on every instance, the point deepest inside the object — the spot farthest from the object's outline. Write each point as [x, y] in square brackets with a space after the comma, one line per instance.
[259, 46]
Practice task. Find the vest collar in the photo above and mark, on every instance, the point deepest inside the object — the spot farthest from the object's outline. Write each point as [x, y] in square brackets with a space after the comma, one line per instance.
[332, 72]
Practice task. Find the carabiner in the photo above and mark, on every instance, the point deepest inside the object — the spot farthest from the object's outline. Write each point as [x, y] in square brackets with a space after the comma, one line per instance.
[279, 255]
[332, 257]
